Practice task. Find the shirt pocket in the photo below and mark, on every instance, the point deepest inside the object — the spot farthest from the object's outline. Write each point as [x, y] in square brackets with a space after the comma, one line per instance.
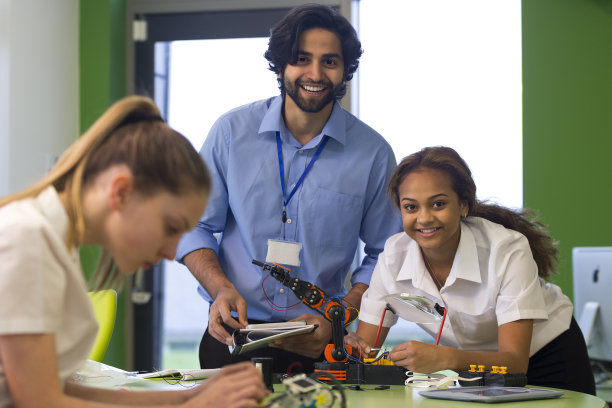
[477, 329]
[335, 218]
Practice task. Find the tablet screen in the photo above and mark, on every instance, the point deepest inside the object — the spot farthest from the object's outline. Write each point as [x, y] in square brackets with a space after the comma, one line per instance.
[492, 394]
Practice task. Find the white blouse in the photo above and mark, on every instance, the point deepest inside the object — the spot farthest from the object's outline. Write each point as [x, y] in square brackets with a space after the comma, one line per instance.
[494, 280]
[42, 288]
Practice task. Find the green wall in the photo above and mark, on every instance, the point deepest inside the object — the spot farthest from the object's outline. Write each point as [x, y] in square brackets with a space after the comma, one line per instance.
[102, 82]
[567, 122]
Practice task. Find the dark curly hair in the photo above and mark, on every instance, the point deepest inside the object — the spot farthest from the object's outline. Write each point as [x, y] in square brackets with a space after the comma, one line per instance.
[446, 159]
[283, 46]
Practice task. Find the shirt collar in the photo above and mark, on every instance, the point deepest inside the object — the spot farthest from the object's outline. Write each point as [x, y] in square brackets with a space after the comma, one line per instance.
[465, 264]
[51, 207]
[414, 267]
[334, 128]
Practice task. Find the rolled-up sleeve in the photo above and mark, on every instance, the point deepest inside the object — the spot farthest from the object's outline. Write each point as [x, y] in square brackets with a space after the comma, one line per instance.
[214, 152]
[519, 294]
[381, 219]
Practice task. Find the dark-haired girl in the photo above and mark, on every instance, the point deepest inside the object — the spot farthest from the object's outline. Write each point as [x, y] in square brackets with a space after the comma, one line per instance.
[486, 265]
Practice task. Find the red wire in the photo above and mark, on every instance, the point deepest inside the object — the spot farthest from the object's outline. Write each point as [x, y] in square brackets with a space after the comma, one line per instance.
[272, 305]
[441, 327]
[380, 327]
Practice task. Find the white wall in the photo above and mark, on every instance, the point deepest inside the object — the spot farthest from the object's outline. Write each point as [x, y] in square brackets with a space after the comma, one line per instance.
[39, 87]
[4, 93]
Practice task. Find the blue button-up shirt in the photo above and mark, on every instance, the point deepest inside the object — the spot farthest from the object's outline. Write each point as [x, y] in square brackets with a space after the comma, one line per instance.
[341, 200]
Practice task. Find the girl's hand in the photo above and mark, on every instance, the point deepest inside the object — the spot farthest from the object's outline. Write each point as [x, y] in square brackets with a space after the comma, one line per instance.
[361, 348]
[420, 357]
[235, 386]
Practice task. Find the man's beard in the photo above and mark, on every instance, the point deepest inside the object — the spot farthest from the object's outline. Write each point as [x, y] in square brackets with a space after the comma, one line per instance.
[311, 105]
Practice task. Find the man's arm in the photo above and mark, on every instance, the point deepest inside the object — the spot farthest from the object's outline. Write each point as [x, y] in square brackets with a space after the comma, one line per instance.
[204, 265]
[381, 219]
[353, 297]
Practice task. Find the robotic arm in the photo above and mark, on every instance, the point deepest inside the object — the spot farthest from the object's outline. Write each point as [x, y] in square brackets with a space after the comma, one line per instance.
[312, 296]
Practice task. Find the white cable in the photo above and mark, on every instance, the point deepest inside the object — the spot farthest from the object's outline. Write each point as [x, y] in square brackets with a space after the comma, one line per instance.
[435, 380]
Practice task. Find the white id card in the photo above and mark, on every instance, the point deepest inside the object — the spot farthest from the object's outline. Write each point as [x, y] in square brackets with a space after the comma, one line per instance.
[283, 252]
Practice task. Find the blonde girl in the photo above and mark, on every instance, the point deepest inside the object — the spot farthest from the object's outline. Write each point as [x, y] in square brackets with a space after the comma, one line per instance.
[133, 186]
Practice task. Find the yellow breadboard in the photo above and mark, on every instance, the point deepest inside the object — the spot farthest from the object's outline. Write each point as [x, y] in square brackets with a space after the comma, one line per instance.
[382, 361]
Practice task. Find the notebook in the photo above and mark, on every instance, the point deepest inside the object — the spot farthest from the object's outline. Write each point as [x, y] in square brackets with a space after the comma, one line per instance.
[256, 336]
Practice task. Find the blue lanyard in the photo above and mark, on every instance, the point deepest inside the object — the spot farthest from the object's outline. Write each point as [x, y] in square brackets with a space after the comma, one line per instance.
[282, 171]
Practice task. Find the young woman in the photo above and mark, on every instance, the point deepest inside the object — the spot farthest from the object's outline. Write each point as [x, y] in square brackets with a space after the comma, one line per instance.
[486, 265]
[133, 186]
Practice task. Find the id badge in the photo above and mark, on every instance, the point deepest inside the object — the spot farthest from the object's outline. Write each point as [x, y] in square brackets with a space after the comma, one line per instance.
[283, 252]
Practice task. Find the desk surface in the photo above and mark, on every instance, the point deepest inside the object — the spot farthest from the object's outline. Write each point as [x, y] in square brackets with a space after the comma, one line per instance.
[401, 396]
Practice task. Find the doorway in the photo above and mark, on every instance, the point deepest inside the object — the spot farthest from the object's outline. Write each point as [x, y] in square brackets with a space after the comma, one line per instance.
[196, 61]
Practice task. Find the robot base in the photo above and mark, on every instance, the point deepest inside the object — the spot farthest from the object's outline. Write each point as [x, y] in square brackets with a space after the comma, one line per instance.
[354, 373]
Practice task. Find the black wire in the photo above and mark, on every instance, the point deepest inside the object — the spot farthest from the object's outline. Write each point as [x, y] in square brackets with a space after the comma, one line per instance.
[337, 385]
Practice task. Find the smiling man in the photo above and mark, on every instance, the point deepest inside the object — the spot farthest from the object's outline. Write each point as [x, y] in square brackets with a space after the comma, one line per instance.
[297, 180]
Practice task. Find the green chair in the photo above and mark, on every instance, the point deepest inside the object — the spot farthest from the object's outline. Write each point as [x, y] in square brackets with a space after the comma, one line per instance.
[105, 307]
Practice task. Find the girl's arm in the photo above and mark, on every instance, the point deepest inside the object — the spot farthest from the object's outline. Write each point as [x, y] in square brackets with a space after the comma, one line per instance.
[115, 397]
[234, 385]
[30, 366]
[364, 338]
[514, 340]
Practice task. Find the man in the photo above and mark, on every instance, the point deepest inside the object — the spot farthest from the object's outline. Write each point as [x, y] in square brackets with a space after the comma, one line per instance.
[334, 171]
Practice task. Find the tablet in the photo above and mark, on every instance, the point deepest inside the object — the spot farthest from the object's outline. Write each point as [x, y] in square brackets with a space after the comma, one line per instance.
[491, 394]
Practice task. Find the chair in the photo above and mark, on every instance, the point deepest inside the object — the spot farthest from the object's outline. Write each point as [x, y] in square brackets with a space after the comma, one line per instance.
[105, 308]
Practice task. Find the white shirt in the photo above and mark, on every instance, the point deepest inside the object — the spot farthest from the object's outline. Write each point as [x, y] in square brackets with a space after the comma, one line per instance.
[42, 288]
[494, 280]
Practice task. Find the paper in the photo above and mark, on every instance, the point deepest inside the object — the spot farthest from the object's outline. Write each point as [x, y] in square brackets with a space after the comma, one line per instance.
[175, 374]
[100, 375]
[283, 252]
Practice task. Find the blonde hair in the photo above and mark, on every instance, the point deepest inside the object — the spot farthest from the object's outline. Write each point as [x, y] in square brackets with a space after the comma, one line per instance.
[130, 132]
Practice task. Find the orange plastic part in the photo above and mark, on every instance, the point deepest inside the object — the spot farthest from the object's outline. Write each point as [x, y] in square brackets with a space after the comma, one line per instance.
[328, 353]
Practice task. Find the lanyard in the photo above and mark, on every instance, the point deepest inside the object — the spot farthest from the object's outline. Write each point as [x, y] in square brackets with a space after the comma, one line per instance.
[282, 171]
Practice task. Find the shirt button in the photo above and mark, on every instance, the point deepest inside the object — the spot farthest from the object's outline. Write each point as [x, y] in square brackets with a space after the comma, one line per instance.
[293, 185]
[281, 290]
[300, 152]
[288, 220]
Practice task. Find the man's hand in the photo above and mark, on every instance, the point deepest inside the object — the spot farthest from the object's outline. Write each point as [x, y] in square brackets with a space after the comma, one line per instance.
[311, 344]
[226, 301]
[204, 266]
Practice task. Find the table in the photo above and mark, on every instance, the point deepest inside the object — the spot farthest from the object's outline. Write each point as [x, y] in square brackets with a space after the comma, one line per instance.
[605, 391]
[402, 396]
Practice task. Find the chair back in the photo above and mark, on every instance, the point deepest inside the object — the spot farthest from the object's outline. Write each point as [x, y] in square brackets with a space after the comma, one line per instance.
[105, 308]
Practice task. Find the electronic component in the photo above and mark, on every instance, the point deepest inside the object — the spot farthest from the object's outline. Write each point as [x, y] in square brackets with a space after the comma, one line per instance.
[302, 391]
[351, 373]
[497, 376]
[330, 307]
[300, 384]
